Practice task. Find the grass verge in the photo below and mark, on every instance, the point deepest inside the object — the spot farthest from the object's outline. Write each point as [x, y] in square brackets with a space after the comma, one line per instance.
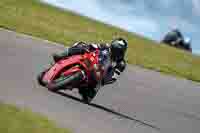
[14, 120]
[45, 21]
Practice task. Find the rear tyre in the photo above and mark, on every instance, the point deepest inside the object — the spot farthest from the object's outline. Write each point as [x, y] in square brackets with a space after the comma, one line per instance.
[87, 94]
[71, 80]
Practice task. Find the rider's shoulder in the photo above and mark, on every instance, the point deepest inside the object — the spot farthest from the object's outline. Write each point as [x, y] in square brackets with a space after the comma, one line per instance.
[78, 43]
[91, 45]
[104, 45]
[94, 45]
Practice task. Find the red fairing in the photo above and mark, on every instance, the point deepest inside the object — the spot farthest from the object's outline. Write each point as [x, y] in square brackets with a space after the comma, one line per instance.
[72, 70]
[88, 61]
[59, 66]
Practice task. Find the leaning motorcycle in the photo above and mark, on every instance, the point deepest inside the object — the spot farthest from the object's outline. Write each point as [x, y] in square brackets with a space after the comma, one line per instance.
[85, 72]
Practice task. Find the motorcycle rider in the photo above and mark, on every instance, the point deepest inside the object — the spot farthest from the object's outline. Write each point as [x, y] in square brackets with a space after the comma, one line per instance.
[175, 38]
[117, 50]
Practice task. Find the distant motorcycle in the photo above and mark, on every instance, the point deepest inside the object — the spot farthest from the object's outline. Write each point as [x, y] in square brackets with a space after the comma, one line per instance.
[179, 43]
[84, 72]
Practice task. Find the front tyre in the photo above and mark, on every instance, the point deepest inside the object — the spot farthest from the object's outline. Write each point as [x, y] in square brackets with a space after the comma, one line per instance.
[39, 78]
[71, 80]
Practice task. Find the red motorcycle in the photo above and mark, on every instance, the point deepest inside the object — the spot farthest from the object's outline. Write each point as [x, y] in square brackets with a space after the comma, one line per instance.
[84, 72]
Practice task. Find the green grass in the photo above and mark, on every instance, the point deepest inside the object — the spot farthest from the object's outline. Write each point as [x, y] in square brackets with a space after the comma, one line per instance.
[14, 120]
[45, 21]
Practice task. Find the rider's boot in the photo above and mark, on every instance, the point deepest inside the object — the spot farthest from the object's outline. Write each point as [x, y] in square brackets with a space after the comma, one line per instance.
[110, 78]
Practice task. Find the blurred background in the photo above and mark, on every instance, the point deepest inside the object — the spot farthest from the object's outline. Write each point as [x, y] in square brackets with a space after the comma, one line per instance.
[149, 18]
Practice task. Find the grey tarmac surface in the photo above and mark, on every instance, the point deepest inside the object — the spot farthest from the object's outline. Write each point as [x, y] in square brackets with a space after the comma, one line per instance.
[142, 101]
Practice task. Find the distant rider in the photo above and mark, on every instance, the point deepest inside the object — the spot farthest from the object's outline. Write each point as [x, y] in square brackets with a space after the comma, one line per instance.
[176, 39]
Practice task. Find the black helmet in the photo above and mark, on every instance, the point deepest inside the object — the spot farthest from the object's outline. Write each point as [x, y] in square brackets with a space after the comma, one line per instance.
[118, 49]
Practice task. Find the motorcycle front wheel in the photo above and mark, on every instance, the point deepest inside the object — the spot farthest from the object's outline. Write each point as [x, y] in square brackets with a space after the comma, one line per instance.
[60, 83]
[40, 76]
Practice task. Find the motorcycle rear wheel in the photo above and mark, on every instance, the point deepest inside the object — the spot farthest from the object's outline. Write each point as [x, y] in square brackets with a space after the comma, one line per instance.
[87, 94]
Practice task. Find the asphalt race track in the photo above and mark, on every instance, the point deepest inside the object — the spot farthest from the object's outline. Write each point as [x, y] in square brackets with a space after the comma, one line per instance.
[142, 101]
